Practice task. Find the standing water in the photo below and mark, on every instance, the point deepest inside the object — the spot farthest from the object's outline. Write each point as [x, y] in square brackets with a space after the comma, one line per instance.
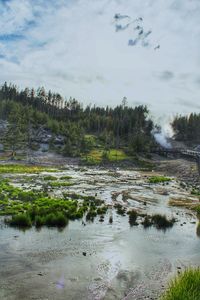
[99, 260]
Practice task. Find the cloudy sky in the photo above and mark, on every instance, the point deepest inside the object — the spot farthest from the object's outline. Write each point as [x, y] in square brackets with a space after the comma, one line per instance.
[72, 47]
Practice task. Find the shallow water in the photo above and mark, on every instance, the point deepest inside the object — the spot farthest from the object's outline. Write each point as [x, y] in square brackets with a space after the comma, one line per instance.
[121, 262]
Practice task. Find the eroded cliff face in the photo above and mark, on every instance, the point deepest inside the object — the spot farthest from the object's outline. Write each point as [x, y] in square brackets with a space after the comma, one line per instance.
[40, 139]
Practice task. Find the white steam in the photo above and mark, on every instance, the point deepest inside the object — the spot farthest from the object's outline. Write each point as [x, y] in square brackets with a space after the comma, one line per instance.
[164, 135]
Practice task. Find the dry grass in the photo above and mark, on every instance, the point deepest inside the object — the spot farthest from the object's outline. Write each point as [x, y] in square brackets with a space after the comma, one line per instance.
[184, 202]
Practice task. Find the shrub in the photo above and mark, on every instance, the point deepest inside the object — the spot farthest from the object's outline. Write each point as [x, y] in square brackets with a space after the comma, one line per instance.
[161, 222]
[56, 220]
[147, 222]
[120, 210]
[76, 214]
[195, 192]
[101, 210]
[91, 215]
[198, 210]
[39, 221]
[132, 217]
[186, 286]
[20, 220]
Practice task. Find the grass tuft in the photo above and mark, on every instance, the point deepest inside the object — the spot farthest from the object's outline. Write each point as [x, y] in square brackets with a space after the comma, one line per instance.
[11, 168]
[132, 217]
[50, 178]
[186, 286]
[159, 179]
[120, 209]
[56, 220]
[161, 221]
[20, 220]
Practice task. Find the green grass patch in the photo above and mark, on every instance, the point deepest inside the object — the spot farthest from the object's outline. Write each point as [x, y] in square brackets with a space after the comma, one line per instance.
[9, 192]
[88, 199]
[14, 168]
[20, 220]
[93, 157]
[32, 208]
[55, 220]
[58, 184]
[195, 192]
[116, 155]
[159, 179]
[50, 178]
[185, 286]
[65, 177]
[197, 209]
[97, 156]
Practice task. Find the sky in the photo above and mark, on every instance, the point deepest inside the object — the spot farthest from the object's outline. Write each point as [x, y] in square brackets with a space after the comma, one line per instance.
[72, 47]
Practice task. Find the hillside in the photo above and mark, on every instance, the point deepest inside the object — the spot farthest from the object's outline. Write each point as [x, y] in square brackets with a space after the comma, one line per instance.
[44, 121]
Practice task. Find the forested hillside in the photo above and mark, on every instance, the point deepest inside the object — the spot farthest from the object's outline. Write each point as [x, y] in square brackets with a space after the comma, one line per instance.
[187, 128]
[75, 129]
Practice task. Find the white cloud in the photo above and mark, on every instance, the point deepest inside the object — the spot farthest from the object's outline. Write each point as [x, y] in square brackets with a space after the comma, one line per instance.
[73, 48]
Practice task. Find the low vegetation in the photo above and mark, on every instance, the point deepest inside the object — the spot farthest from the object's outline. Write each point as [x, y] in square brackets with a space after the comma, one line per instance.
[31, 208]
[158, 221]
[98, 156]
[120, 209]
[65, 177]
[21, 169]
[198, 229]
[116, 155]
[132, 217]
[159, 179]
[20, 220]
[26, 208]
[49, 178]
[58, 184]
[161, 221]
[197, 209]
[185, 286]
[195, 192]
[147, 222]
[57, 219]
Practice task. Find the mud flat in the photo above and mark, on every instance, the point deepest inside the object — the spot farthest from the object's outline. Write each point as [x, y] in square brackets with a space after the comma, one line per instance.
[99, 260]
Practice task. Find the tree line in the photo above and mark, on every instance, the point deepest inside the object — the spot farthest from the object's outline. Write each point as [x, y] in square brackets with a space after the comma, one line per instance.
[27, 110]
[187, 128]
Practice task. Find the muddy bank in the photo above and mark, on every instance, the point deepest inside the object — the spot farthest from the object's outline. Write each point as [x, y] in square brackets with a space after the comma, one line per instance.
[184, 170]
